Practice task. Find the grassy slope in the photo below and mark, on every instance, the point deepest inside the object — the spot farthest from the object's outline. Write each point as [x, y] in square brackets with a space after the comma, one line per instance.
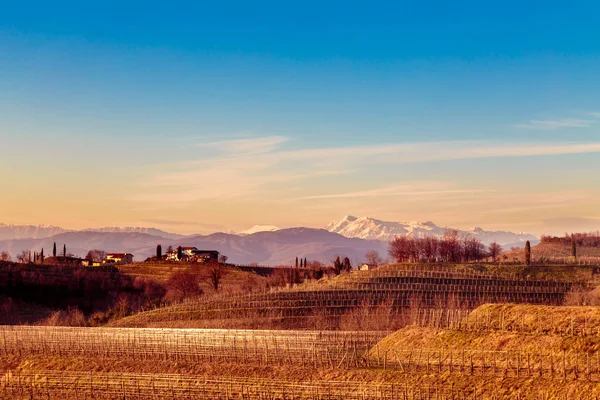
[542, 317]
[233, 280]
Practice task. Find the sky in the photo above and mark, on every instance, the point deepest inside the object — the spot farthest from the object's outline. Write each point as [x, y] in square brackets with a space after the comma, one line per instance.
[206, 116]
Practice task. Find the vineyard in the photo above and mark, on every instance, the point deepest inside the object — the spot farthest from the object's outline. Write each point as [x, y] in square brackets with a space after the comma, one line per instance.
[316, 349]
[460, 334]
[401, 290]
[420, 372]
[308, 349]
[168, 386]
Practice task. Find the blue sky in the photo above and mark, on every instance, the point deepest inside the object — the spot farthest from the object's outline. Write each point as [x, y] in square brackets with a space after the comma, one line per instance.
[220, 115]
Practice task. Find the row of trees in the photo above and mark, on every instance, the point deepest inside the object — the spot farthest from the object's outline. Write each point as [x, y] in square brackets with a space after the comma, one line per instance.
[450, 248]
[591, 239]
[27, 256]
[303, 263]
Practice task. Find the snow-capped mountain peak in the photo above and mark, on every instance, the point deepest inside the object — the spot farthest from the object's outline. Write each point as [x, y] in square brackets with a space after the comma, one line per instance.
[10, 231]
[373, 229]
[260, 228]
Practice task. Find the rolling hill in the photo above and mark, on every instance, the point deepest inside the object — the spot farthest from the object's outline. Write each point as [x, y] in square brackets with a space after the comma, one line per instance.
[270, 248]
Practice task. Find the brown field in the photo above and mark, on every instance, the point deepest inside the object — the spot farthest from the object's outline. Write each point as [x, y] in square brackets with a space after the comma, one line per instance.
[400, 332]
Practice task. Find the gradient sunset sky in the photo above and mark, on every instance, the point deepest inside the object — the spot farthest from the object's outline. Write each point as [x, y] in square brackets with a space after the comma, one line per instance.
[204, 116]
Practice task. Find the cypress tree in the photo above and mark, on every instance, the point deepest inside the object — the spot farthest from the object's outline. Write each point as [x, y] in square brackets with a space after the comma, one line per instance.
[527, 253]
[159, 252]
[42, 256]
[64, 250]
[305, 264]
[179, 253]
[573, 249]
[337, 266]
[347, 265]
[54, 250]
[296, 262]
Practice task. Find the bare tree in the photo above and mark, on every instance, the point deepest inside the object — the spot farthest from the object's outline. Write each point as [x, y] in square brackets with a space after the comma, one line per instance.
[5, 256]
[400, 248]
[450, 246]
[215, 277]
[373, 258]
[495, 250]
[96, 255]
[430, 248]
[184, 284]
[223, 258]
[472, 249]
[24, 256]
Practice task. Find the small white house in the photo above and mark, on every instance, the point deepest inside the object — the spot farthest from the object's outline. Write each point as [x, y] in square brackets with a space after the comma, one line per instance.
[367, 267]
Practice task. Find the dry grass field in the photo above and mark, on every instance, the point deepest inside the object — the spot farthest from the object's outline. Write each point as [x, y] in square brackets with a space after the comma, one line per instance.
[232, 280]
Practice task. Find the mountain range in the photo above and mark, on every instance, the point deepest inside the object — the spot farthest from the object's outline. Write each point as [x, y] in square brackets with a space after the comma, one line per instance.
[373, 229]
[261, 244]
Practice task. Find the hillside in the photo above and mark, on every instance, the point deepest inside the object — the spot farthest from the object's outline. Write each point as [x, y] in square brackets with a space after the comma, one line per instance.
[79, 243]
[271, 248]
[506, 327]
[386, 298]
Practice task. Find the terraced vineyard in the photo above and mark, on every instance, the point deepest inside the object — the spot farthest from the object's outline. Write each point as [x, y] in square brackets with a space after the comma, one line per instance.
[400, 289]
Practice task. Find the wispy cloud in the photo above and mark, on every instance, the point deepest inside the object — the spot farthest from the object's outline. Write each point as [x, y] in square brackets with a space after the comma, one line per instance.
[395, 191]
[258, 145]
[260, 169]
[557, 124]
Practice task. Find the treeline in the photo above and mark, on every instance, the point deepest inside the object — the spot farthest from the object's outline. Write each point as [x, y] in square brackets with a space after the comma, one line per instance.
[591, 239]
[90, 290]
[450, 248]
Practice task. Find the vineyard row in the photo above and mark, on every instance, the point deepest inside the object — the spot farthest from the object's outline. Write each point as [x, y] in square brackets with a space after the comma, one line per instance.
[74, 385]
